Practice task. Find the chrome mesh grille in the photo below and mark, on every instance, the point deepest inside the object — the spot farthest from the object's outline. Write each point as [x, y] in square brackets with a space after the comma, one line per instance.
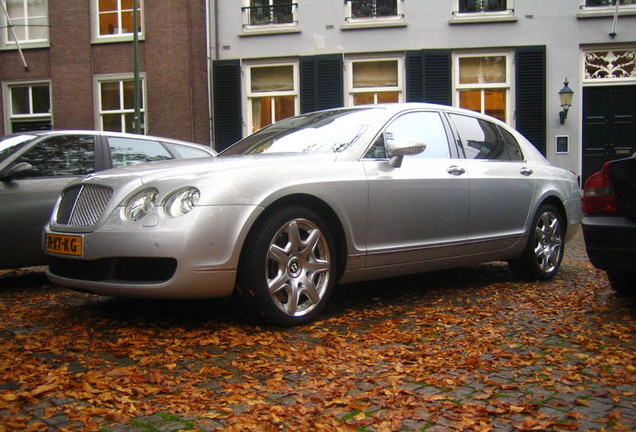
[83, 205]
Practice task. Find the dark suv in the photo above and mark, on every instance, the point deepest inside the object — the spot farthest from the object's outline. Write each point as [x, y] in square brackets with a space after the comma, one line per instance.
[609, 222]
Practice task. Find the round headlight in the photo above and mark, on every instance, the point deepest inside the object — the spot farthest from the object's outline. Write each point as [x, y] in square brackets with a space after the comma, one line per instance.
[181, 202]
[141, 204]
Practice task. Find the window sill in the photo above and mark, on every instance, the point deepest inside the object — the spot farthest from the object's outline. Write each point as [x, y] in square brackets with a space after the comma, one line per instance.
[605, 12]
[269, 30]
[372, 23]
[484, 17]
[116, 39]
[25, 45]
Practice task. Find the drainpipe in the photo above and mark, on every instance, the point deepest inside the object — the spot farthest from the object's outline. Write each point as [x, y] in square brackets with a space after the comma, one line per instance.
[136, 99]
[210, 60]
[613, 33]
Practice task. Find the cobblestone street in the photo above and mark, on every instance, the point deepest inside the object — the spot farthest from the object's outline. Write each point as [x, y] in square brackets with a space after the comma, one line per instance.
[468, 349]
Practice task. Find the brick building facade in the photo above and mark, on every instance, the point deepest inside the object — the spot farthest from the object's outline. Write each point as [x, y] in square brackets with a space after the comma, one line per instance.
[73, 66]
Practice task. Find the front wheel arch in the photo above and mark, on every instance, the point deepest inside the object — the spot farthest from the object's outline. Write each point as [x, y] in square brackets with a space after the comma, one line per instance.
[326, 213]
[252, 294]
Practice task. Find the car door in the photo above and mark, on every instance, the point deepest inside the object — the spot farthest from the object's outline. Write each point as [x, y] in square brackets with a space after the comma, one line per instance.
[27, 201]
[419, 211]
[501, 183]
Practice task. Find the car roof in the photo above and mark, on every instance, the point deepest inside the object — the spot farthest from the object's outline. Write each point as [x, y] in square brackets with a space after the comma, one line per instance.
[115, 134]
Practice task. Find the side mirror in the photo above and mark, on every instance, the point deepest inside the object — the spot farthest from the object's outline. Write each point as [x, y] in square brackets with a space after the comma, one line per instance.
[400, 147]
[20, 170]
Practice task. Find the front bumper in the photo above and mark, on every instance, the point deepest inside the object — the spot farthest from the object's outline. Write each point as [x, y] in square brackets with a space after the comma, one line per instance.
[195, 256]
[610, 242]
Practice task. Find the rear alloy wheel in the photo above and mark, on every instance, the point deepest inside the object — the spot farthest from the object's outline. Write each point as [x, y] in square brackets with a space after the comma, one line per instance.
[288, 267]
[544, 251]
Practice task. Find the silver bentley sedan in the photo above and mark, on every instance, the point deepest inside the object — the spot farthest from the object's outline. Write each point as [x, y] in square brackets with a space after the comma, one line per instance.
[336, 196]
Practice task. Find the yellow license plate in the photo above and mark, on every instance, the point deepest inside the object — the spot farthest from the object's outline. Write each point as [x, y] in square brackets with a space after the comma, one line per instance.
[64, 244]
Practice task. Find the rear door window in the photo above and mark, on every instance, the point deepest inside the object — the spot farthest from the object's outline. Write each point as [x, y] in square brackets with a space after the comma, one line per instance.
[482, 139]
[131, 151]
[187, 152]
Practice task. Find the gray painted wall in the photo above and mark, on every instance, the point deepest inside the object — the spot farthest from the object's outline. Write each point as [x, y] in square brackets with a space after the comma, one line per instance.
[561, 25]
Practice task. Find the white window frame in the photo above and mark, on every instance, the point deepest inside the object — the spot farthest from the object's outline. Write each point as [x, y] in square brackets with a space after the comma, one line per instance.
[507, 85]
[351, 91]
[249, 95]
[604, 11]
[99, 79]
[249, 29]
[8, 103]
[96, 37]
[5, 36]
[458, 17]
[371, 22]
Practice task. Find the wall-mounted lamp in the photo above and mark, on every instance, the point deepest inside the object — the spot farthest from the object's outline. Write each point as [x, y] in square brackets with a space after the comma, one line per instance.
[565, 94]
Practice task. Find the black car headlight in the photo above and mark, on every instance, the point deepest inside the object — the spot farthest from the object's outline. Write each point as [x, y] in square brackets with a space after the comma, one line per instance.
[181, 201]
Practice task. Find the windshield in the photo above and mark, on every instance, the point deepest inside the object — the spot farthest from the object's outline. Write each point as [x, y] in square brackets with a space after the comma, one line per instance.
[12, 143]
[320, 132]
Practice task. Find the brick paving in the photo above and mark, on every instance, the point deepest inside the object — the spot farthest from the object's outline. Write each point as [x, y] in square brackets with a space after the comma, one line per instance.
[469, 349]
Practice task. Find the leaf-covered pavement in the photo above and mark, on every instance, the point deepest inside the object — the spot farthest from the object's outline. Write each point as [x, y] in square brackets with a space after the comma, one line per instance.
[473, 349]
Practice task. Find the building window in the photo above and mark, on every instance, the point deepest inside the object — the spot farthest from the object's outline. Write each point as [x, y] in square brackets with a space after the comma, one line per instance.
[28, 106]
[269, 12]
[482, 84]
[373, 10]
[373, 81]
[605, 8]
[605, 3]
[471, 6]
[25, 23]
[116, 104]
[272, 94]
[467, 11]
[113, 20]
[604, 65]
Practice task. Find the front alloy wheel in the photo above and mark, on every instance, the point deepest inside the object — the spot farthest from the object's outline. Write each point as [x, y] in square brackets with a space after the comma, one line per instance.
[298, 267]
[544, 251]
[287, 269]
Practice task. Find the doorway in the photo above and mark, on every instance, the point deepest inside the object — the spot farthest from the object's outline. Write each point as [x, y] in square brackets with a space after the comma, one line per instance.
[609, 125]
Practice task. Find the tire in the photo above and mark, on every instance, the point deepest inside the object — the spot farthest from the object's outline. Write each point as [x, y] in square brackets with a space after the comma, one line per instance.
[623, 284]
[287, 270]
[543, 253]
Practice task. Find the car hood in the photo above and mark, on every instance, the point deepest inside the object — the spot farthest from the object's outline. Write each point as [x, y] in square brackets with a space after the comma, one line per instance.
[197, 169]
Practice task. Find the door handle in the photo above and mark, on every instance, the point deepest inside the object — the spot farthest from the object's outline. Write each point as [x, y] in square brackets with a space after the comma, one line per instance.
[455, 170]
[526, 171]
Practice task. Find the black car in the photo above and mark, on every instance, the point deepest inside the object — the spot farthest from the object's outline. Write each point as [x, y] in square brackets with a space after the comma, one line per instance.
[35, 166]
[609, 222]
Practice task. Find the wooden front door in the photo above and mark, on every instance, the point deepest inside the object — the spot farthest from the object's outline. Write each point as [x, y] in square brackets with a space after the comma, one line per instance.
[609, 125]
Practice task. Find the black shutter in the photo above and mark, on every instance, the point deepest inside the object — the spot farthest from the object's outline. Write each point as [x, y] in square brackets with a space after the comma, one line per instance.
[414, 76]
[530, 95]
[437, 76]
[227, 103]
[428, 76]
[321, 82]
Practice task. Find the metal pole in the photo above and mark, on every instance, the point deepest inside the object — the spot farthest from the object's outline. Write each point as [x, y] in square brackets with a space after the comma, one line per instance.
[15, 37]
[137, 117]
